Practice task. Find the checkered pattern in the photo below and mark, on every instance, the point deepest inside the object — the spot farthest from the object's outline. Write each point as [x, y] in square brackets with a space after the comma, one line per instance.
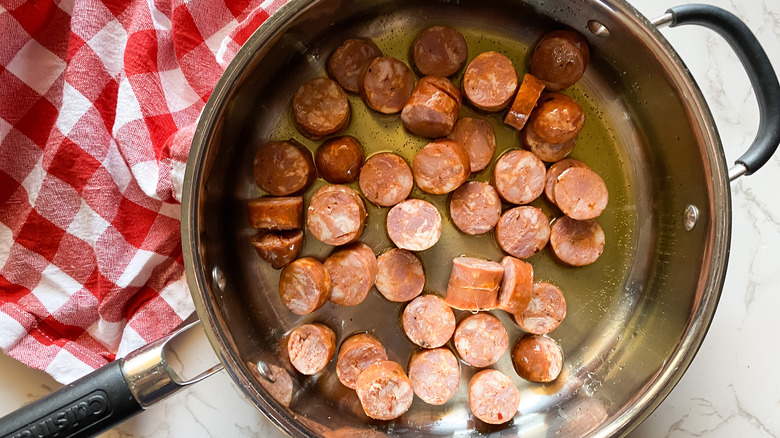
[98, 102]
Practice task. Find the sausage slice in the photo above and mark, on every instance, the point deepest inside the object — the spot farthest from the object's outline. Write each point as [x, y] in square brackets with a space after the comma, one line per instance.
[545, 311]
[269, 213]
[519, 176]
[493, 397]
[282, 168]
[414, 224]
[278, 248]
[310, 347]
[435, 375]
[537, 358]
[555, 171]
[580, 193]
[560, 59]
[339, 159]
[352, 272]
[525, 101]
[349, 59]
[386, 84]
[304, 286]
[400, 277]
[384, 390]
[336, 215]
[481, 340]
[357, 353]
[475, 207]
[473, 284]
[547, 152]
[441, 166]
[386, 179]
[490, 81]
[516, 286]
[433, 108]
[320, 108]
[428, 321]
[523, 231]
[577, 243]
[479, 139]
[439, 51]
[557, 118]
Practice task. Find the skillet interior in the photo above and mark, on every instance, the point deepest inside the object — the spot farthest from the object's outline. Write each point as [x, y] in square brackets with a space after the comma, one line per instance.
[635, 318]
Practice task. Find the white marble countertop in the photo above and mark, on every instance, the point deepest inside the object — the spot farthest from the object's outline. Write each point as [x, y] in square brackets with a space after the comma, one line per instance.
[730, 389]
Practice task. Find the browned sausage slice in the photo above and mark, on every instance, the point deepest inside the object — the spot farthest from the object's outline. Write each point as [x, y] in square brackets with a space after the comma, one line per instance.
[348, 60]
[493, 397]
[357, 353]
[580, 193]
[557, 118]
[545, 311]
[560, 58]
[516, 286]
[537, 358]
[441, 166]
[525, 101]
[433, 108]
[479, 139]
[577, 243]
[268, 213]
[386, 179]
[475, 207]
[473, 284]
[384, 390]
[481, 340]
[435, 375]
[428, 321]
[278, 248]
[386, 84]
[320, 108]
[439, 51]
[339, 159]
[523, 231]
[282, 168]
[352, 272]
[547, 152]
[310, 347]
[400, 277]
[304, 286]
[519, 176]
[490, 81]
[414, 224]
[336, 215]
[555, 171]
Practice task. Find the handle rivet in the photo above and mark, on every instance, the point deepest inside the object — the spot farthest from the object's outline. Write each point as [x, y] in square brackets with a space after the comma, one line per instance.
[598, 29]
[218, 277]
[690, 217]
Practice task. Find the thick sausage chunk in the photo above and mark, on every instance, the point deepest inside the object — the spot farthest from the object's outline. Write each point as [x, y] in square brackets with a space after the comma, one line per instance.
[519, 176]
[481, 340]
[545, 311]
[386, 84]
[384, 390]
[516, 286]
[428, 321]
[352, 272]
[557, 118]
[537, 358]
[348, 60]
[580, 193]
[268, 213]
[473, 284]
[577, 243]
[555, 171]
[320, 108]
[357, 353]
[386, 179]
[523, 231]
[278, 248]
[400, 277]
[310, 347]
[441, 166]
[435, 375]
[282, 168]
[439, 51]
[336, 215]
[493, 397]
[525, 101]
[560, 58]
[475, 207]
[490, 81]
[304, 286]
[414, 224]
[479, 139]
[547, 152]
[339, 159]
[433, 108]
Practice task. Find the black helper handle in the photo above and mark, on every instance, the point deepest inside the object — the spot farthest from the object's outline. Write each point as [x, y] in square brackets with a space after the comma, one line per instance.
[759, 70]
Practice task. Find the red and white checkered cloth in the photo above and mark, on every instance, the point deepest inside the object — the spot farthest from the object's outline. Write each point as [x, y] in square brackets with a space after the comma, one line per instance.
[98, 103]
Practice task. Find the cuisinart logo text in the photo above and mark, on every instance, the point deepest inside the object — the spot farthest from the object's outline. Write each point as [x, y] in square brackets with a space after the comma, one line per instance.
[72, 418]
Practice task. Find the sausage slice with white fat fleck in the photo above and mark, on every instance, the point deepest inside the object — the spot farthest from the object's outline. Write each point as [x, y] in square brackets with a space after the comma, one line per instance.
[516, 286]
[352, 272]
[384, 390]
[478, 138]
[428, 321]
[310, 347]
[537, 358]
[320, 108]
[580, 193]
[555, 171]
[441, 166]
[336, 215]
[414, 224]
[435, 375]
[386, 179]
[481, 340]
[433, 108]
[545, 311]
[349, 59]
[439, 51]
[475, 207]
[386, 84]
[519, 176]
[357, 353]
[304, 286]
[283, 168]
[490, 81]
[400, 277]
[523, 231]
[577, 243]
[493, 397]
[473, 284]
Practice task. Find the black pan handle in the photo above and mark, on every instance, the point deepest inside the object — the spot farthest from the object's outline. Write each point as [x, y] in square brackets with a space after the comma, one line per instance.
[759, 70]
